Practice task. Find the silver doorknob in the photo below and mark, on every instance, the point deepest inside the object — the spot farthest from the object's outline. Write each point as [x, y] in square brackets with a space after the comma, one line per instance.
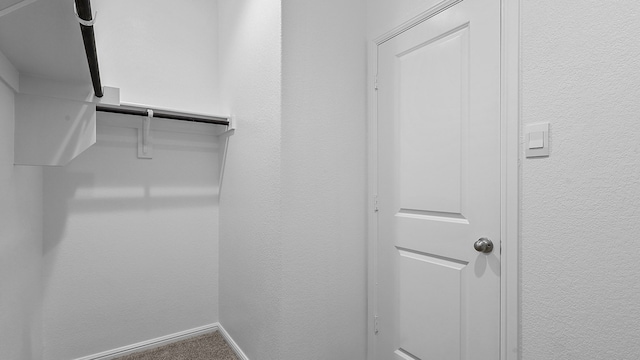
[483, 245]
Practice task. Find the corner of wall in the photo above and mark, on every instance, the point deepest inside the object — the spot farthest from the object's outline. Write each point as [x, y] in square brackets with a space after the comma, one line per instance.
[20, 243]
[250, 244]
[8, 73]
[324, 179]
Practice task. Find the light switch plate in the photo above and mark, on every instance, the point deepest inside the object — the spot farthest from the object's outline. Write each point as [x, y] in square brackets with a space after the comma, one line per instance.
[537, 140]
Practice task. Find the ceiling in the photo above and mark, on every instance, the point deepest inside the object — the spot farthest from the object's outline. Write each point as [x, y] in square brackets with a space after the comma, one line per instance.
[43, 39]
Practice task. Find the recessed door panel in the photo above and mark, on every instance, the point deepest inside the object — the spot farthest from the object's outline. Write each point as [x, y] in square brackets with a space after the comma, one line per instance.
[433, 103]
[430, 294]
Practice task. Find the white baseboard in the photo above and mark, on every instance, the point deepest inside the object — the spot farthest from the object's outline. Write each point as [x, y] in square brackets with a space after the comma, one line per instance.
[157, 342]
[232, 343]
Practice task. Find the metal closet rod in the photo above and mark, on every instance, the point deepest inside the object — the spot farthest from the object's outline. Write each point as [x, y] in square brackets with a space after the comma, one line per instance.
[86, 19]
[163, 114]
[83, 11]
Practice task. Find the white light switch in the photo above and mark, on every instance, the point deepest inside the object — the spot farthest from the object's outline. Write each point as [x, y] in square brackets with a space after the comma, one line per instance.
[537, 137]
[536, 140]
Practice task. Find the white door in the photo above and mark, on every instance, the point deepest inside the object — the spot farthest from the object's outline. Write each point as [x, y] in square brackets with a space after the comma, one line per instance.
[438, 169]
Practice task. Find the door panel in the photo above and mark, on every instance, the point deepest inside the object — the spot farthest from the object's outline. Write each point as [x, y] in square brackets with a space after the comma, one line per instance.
[418, 338]
[433, 89]
[439, 187]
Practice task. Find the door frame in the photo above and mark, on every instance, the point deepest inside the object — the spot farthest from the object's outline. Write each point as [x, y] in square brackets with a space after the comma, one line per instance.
[510, 173]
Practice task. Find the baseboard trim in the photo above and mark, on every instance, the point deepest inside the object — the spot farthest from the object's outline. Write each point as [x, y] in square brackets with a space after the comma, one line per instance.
[232, 343]
[166, 340]
[161, 341]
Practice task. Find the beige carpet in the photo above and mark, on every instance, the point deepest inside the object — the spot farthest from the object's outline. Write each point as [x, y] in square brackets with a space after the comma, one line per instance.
[204, 347]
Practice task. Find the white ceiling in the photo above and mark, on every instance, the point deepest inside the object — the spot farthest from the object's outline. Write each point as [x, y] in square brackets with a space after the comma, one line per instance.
[44, 39]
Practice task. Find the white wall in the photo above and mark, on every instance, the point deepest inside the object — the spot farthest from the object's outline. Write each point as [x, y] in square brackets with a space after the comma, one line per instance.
[130, 245]
[580, 206]
[384, 15]
[324, 179]
[292, 277]
[250, 234]
[20, 245]
[160, 53]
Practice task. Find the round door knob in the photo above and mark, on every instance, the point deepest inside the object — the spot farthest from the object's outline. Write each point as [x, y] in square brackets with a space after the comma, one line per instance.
[483, 245]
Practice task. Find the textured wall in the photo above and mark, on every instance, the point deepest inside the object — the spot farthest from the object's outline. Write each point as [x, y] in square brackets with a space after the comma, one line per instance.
[160, 53]
[20, 246]
[292, 268]
[130, 245]
[250, 244]
[581, 206]
[324, 179]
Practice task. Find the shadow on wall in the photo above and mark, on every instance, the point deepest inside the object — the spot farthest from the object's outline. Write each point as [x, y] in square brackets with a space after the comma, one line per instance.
[108, 181]
[130, 244]
[28, 337]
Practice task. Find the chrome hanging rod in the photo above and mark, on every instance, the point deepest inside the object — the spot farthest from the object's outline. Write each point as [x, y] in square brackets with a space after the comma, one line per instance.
[163, 114]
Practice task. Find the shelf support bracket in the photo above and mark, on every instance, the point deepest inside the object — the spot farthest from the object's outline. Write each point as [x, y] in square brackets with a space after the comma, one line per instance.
[145, 145]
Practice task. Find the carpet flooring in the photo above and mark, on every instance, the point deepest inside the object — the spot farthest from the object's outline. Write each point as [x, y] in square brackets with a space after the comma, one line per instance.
[204, 347]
